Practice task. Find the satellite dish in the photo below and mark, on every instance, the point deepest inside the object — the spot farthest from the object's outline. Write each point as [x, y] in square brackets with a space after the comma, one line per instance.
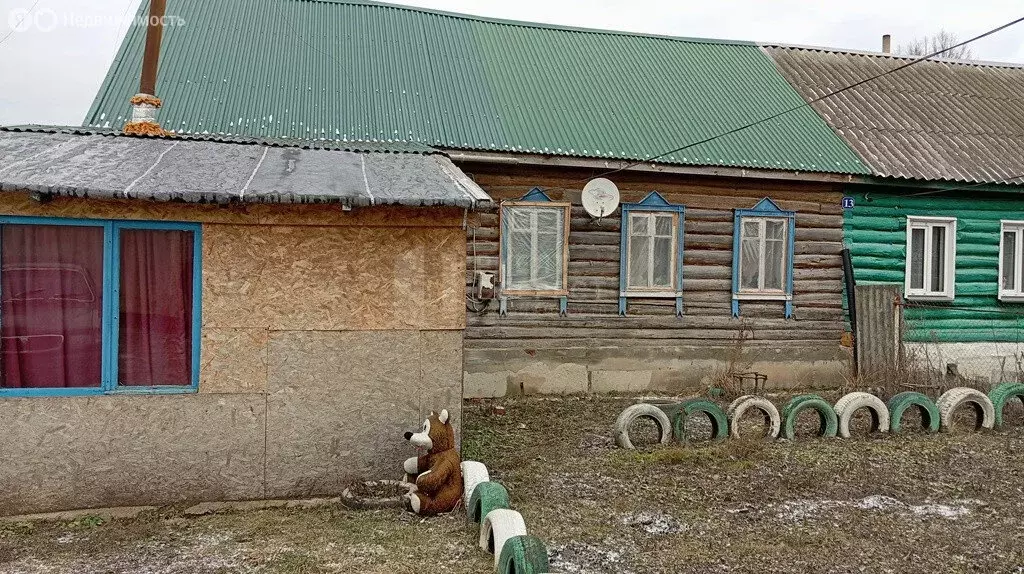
[600, 197]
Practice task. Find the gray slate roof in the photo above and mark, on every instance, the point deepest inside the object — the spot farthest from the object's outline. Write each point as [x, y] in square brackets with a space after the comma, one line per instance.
[936, 120]
[203, 169]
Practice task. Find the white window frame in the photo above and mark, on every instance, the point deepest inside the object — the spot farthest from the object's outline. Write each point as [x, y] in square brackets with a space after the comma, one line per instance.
[761, 293]
[1017, 228]
[949, 278]
[673, 289]
[562, 210]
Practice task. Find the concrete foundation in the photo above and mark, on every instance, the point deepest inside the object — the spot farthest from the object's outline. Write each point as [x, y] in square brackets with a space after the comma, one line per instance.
[991, 362]
[668, 369]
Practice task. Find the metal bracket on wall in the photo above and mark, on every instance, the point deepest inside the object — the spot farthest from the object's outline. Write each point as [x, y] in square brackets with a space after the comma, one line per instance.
[622, 306]
[502, 306]
[563, 306]
[679, 306]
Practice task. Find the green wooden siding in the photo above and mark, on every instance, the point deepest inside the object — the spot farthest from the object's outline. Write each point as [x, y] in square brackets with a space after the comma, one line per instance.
[875, 230]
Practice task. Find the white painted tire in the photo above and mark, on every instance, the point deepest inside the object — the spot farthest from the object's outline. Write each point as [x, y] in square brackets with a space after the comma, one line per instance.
[473, 473]
[497, 527]
[745, 403]
[853, 402]
[954, 398]
[641, 410]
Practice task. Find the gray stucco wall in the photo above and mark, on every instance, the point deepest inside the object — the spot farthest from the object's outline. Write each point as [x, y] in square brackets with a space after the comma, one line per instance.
[334, 411]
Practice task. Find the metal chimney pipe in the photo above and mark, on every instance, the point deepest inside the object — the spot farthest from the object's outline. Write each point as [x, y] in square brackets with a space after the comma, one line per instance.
[886, 43]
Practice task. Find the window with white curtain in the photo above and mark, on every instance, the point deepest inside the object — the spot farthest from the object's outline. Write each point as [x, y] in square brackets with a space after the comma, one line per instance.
[1011, 261]
[764, 257]
[931, 256]
[533, 248]
[652, 248]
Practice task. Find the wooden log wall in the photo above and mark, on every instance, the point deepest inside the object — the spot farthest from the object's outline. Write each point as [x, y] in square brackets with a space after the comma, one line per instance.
[593, 280]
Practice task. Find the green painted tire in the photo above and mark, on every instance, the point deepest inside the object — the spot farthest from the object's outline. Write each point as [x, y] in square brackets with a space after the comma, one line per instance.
[523, 554]
[487, 496]
[798, 404]
[719, 422]
[1001, 394]
[899, 404]
[669, 406]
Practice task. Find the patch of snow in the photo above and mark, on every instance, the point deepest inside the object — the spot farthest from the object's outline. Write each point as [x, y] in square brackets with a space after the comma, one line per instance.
[807, 509]
[583, 558]
[656, 523]
[198, 553]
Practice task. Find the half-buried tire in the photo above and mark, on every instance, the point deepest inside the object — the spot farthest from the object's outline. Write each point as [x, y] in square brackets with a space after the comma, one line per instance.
[630, 415]
[899, 404]
[473, 474]
[1002, 394]
[497, 528]
[952, 399]
[487, 496]
[715, 414]
[826, 414]
[523, 554]
[740, 406]
[853, 402]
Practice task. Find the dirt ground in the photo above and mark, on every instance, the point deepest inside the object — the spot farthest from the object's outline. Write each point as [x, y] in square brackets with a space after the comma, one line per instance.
[923, 503]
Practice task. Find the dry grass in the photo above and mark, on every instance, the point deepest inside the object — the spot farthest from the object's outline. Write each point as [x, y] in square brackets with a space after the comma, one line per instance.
[870, 504]
[275, 541]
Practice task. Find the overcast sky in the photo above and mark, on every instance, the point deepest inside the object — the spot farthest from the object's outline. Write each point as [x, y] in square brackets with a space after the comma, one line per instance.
[52, 64]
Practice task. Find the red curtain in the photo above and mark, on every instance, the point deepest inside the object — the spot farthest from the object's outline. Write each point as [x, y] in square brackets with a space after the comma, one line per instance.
[51, 317]
[155, 344]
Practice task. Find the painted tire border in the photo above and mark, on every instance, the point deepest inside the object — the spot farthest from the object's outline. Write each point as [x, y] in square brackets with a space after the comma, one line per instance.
[1001, 394]
[829, 420]
[513, 548]
[487, 496]
[899, 404]
[638, 411]
[744, 404]
[956, 397]
[719, 422]
[857, 400]
[523, 554]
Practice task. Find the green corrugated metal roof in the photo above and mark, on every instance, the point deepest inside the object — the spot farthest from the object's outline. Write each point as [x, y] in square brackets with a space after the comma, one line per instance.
[364, 71]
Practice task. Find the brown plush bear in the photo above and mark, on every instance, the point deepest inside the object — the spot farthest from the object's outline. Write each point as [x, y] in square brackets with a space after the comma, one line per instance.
[437, 475]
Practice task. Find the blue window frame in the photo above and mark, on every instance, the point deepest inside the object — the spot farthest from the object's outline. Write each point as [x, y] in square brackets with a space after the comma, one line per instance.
[651, 251]
[762, 255]
[110, 324]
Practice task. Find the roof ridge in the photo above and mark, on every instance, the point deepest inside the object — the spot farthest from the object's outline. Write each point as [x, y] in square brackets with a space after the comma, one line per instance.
[536, 25]
[866, 53]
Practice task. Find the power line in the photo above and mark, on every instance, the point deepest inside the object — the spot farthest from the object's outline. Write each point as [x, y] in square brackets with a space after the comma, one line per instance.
[15, 27]
[813, 101]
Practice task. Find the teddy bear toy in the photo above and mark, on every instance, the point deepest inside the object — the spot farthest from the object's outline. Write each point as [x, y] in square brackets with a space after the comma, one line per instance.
[435, 478]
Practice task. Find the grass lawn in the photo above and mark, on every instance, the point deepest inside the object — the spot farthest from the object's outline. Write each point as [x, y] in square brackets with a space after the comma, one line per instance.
[939, 503]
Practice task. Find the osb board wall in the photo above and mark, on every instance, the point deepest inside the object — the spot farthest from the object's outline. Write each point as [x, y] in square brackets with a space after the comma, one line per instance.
[332, 278]
[248, 214]
[258, 280]
[707, 267]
